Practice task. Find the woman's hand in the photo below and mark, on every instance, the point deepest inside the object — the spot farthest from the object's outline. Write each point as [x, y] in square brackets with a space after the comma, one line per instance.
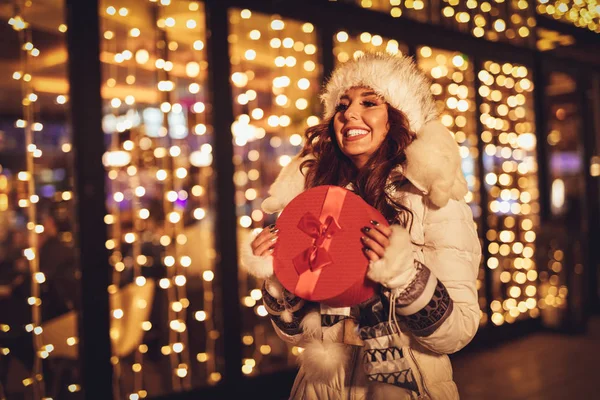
[263, 244]
[376, 240]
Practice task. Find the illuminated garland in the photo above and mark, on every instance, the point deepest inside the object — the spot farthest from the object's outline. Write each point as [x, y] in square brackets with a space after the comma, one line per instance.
[274, 76]
[511, 181]
[452, 76]
[28, 50]
[581, 13]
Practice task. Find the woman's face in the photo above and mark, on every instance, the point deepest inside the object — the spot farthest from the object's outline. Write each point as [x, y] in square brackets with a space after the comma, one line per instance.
[360, 124]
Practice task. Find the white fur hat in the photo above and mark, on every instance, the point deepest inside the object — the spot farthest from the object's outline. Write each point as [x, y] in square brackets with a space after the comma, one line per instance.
[396, 78]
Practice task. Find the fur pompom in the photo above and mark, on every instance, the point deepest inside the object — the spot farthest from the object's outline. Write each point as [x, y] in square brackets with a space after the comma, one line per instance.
[257, 266]
[397, 265]
[322, 361]
[311, 325]
[274, 287]
[286, 316]
[289, 184]
[433, 164]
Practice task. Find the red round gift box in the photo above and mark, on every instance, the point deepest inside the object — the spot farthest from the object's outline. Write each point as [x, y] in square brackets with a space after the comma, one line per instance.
[319, 254]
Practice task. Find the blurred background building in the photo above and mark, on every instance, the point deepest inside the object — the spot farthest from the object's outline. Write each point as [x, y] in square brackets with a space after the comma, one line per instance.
[139, 137]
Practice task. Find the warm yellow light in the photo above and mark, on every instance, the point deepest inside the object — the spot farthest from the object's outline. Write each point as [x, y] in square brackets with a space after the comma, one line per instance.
[277, 25]
[180, 280]
[262, 311]
[200, 315]
[265, 349]
[164, 283]
[208, 275]
[342, 37]
[74, 388]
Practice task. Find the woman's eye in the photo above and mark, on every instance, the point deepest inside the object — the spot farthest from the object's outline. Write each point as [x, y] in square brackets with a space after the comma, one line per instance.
[369, 103]
[341, 107]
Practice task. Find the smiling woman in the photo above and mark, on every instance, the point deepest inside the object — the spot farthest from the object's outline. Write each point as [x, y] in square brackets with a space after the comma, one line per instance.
[380, 138]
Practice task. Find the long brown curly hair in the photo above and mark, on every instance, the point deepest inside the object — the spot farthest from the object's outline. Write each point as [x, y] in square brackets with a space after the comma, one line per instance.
[332, 167]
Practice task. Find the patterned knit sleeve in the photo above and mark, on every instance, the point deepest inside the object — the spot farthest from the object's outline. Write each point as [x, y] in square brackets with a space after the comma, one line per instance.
[440, 305]
[286, 310]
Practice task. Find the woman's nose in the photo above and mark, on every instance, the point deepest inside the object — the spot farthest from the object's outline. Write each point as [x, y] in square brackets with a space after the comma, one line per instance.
[351, 113]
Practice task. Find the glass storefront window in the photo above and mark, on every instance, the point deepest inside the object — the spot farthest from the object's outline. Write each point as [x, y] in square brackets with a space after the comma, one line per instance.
[160, 197]
[452, 76]
[510, 168]
[563, 258]
[276, 79]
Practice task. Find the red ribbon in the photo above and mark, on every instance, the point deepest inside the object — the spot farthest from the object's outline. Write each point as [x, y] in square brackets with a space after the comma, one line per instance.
[313, 259]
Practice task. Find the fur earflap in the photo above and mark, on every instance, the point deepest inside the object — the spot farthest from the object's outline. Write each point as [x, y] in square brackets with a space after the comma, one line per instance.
[289, 184]
[396, 268]
[258, 266]
[433, 164]
[322, 361]
[396, 78]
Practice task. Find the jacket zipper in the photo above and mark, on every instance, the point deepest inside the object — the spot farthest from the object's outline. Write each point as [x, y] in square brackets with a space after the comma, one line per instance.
[423, 385]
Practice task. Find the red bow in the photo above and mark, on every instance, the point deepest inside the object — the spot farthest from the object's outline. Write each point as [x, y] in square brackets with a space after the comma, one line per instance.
[309, 263]
[316, 256]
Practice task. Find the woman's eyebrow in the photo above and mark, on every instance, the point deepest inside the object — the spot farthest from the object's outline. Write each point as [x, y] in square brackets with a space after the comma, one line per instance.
[363, 94]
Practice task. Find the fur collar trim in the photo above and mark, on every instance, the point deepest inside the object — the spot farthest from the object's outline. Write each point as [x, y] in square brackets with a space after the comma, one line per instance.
[433, 166]
[397, 79]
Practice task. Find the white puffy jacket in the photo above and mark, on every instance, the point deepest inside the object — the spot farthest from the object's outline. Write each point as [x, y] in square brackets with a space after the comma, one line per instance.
[399, 353]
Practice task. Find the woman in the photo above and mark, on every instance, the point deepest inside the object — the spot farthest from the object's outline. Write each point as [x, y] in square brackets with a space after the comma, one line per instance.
[380, 138]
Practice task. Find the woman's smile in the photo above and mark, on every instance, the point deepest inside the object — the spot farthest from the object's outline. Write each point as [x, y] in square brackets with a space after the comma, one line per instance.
[354, 134]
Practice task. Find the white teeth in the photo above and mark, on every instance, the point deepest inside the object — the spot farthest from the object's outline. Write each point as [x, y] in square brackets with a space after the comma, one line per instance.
[356, 132]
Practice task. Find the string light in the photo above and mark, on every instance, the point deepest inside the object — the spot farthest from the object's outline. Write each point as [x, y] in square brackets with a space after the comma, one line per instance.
[347, 47]
[268, 121]
[511, 167]
[142, 163]
[30, 200]
[494, 20]
[451, 74]
[582, 13]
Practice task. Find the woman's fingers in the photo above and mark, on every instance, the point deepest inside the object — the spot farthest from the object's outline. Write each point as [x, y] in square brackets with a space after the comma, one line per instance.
[370, 254]
[385, 230]
[263, 248]
[261, 237]
[263, 243]
[376, 236]
[373, 246]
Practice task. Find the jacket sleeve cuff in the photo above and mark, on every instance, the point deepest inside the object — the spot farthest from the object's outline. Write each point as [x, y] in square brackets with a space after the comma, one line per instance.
[285, 309]
[425, 304]
[258, 266]
[395, 270]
